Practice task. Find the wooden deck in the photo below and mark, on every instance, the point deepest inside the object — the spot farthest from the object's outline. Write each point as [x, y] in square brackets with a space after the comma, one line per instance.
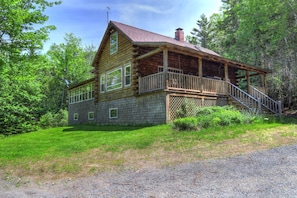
[182, 83]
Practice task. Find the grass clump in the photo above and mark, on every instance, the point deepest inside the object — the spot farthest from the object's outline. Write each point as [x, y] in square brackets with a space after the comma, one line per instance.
[186, 124]
[215, 116]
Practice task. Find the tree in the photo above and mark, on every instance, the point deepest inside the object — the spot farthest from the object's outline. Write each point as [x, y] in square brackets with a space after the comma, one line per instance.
[261, 33]
[68, 63]
[20, 90]
[204, 31]
[18, 20]
[265, 36]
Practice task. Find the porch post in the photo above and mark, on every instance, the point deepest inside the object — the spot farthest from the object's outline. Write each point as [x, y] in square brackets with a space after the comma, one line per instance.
[226, 77]
[248, 81]
[200, 67]
[200, 74]
[226, 72]
[165, 65]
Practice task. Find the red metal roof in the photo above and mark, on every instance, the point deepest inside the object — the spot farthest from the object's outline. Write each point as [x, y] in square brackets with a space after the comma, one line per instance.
[142, 36]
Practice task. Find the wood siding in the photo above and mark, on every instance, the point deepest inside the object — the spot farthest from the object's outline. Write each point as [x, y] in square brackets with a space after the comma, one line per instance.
[149, 65]
[108, 62]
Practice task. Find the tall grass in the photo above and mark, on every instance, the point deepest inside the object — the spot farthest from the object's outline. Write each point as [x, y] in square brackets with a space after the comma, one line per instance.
[215, 116]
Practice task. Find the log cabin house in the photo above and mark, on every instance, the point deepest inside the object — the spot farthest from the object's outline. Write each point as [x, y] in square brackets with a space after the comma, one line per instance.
[141, 77]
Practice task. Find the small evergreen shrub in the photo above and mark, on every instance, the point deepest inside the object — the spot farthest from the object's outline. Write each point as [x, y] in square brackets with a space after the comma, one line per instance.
[188, 109]
[62, 117]
[47, 120]
[186, 124]
[54, 120]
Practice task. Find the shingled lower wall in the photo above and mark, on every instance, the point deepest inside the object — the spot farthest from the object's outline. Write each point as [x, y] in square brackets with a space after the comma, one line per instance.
[146, 109]
[82, 109]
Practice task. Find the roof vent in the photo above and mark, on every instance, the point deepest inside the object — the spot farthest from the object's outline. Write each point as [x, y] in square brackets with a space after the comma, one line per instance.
[179, 35]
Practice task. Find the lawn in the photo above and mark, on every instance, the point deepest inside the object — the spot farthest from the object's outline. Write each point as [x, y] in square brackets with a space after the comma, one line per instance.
[82, 150]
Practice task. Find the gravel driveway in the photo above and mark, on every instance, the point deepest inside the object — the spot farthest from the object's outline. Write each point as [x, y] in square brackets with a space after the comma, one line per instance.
[271, 173]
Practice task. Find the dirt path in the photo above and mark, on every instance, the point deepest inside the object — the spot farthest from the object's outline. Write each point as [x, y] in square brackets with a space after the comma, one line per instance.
[271, 173]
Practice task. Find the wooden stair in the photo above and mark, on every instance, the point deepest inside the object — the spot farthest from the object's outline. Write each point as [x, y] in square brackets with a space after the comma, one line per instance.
[256, 102]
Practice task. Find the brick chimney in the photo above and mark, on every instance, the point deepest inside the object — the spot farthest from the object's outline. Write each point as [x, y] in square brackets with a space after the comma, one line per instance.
[179, 35]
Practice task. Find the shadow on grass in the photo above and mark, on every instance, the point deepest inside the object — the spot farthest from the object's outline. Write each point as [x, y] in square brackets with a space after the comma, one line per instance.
[105, 128]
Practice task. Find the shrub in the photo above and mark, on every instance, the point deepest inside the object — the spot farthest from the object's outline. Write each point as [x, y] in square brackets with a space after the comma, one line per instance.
[219, 116]
[54, 120]
[47, 120]
[62, 117]
[185, 124]
[188, 109]
[215, 116]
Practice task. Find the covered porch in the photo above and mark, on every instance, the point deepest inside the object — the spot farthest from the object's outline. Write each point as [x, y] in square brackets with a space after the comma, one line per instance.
[171, 69]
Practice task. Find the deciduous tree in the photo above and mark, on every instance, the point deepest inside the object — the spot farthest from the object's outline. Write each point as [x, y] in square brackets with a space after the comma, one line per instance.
[20, 39]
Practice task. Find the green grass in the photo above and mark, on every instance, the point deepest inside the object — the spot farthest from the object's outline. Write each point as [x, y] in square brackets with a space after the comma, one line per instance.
[70, 150]
[65, 141]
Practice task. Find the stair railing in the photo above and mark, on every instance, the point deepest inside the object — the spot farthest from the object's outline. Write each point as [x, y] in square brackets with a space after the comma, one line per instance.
[244, 98]
[266, 101]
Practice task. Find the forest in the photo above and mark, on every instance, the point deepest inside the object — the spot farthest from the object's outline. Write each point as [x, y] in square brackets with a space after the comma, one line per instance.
[33, 89]
[261, 33]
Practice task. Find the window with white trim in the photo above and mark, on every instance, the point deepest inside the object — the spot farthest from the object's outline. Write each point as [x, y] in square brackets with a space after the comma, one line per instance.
[127, 74]
[75, 116]
[114, 79]
[90, 115]
[114, 43]
[82, 93]
[113, 113]
[102, 83]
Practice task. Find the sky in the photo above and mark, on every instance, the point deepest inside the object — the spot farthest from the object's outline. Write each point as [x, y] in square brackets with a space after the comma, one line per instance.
[87, 19]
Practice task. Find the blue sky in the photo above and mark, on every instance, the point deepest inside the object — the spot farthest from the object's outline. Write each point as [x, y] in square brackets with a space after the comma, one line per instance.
[87, 19]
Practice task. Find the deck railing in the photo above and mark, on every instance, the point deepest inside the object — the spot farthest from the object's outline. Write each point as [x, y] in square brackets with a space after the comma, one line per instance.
[181, 82]
[214, 86]
[184, 82]
[152, 82]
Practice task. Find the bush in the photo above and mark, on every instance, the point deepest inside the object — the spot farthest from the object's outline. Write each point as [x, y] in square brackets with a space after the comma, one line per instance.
[186, 124]
[215, 116]
[219, 116]
[62, 117]
[54, 120]
[46, 120]
[188, 109]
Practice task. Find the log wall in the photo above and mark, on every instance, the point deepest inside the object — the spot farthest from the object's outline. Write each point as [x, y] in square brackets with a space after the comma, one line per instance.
[109, 61]
[188, 64]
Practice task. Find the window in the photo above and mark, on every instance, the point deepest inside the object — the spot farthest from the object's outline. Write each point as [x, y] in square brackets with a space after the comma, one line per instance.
[82, 93]
[128, 75]
[113, 113]
[75, 116]
[91, 116]
[72, 97]
[114, 43]
[114, 79]
[102, 83]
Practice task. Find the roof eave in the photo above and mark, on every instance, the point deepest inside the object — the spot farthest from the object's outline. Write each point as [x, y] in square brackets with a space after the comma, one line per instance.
[81, 83]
